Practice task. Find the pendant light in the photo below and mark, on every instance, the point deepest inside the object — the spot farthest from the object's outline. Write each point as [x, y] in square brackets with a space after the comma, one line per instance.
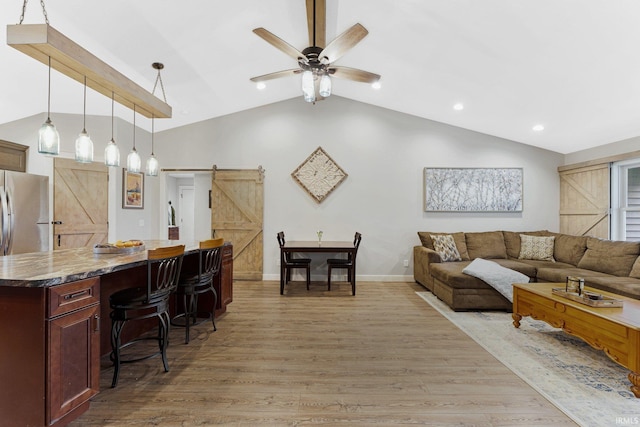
[133, 159]
[152, 162]
[111, 152]
[48, 137]
[84, 145]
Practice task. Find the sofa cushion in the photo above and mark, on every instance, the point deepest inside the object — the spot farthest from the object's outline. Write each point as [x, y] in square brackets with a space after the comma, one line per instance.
[512, 240]
[635, 269]
[518, 266]
[486, 245]
[544, 264]
[569, 249]
[610, 257]
[451, 274]
[458, 238]
[446, 247]
[626, 286]
[536, 247]
[559, 275]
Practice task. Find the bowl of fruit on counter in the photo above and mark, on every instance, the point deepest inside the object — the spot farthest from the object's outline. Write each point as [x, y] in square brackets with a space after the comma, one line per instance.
[119, 247]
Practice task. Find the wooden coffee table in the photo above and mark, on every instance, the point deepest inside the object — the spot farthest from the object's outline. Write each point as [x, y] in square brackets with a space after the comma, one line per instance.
[616, 331]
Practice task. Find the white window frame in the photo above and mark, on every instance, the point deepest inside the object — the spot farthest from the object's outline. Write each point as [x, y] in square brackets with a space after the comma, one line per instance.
[619, 199]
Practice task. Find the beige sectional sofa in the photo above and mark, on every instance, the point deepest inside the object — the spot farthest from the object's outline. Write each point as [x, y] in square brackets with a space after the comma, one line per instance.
[612, 266]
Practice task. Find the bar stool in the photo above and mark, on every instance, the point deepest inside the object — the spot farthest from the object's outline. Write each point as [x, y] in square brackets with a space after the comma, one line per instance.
[145, 302]
[209, 261]
[348, 263]
[289, 263]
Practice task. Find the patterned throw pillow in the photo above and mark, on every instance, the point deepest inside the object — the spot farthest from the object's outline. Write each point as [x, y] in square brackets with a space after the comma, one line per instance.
[446, 247]
[536, 247]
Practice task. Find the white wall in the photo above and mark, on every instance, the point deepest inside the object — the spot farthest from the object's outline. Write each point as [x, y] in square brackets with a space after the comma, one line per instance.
[383, 152]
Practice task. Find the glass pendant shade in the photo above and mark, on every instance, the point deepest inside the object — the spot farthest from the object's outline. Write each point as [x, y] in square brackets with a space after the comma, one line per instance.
[325, 86]
[308, 87]
[84, 148]
[48, 139]
[152, 166]
[111, 151]
[112, 154]
[84, 145]
[133, 161]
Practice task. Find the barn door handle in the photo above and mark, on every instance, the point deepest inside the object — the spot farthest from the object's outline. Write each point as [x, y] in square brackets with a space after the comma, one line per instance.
[58, 240]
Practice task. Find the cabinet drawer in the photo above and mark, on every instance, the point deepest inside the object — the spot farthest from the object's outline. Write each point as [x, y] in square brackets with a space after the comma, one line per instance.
[73, 296]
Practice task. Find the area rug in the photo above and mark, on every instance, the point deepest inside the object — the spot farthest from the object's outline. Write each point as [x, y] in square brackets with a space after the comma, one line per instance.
[580, 381]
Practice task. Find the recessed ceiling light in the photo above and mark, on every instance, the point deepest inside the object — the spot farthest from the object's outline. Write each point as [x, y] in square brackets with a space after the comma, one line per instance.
[376, 85]
[459, 106]
[261, 85]
[538, 128]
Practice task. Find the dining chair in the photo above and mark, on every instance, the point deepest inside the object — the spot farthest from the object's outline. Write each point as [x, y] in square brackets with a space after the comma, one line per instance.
[146, 301]
[190, 287]
[288, 263]
[348, 264]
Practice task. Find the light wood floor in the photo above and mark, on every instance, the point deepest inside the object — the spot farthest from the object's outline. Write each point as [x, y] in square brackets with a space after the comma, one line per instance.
[383, 357]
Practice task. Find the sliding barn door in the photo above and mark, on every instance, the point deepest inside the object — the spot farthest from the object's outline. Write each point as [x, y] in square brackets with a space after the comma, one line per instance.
[237, 207]
[584, 201]
[80, 204]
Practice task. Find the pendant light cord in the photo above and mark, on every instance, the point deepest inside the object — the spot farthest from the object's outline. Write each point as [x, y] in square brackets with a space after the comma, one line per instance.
[49, 93]
[112, 115]
[153, 117]
[134, 127]
[84, 109]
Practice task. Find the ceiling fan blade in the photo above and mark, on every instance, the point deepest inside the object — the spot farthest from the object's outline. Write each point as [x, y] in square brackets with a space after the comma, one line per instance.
[317, 22]
[341, 44]
[354, 74]
[278, 43]
[276, 75]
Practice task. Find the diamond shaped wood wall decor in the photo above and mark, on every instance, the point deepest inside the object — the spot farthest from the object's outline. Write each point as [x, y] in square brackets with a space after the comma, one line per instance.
[319, 175]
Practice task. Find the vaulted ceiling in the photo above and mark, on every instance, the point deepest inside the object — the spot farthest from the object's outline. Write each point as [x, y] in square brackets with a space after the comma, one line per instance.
[572, 66]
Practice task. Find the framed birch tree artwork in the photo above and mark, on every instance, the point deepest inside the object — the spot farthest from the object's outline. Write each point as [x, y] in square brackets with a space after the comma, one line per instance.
[473, 189]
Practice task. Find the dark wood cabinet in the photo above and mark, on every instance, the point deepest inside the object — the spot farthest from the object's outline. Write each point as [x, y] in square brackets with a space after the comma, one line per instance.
[50, 354]
[224, 281]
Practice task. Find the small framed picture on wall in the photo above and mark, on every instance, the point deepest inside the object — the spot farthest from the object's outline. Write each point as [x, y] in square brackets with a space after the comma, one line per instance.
[132, 190]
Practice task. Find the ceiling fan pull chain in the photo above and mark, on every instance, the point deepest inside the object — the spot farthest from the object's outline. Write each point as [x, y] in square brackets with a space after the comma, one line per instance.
[44, 12]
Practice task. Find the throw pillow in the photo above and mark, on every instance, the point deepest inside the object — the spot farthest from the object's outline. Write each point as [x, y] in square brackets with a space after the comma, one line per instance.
[446, 247]
[536, 247]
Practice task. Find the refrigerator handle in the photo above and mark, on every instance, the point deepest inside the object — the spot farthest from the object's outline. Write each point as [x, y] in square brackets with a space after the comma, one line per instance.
[4, 218]
[9, 215]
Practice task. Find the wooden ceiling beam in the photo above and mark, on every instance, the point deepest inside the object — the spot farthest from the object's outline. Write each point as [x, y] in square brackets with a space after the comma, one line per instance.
[41, 41]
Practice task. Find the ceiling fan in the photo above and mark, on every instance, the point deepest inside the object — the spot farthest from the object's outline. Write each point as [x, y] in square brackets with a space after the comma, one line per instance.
[315, 62]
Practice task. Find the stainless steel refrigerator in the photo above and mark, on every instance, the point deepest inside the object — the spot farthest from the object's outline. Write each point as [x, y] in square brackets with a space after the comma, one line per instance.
[24, 219]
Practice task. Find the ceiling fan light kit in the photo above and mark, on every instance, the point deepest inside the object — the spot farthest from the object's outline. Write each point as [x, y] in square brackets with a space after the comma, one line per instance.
[315, 61]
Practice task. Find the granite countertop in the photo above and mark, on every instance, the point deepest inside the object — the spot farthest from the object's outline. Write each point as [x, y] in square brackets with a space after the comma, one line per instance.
[43, 269]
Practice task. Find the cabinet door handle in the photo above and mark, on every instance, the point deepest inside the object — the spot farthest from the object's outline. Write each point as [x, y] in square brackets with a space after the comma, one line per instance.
[96, 323]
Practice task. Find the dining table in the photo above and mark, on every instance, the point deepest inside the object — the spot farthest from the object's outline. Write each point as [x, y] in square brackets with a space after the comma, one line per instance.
[317, 246]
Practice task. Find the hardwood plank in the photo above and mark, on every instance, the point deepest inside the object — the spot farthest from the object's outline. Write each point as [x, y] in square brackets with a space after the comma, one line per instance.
[383, 357]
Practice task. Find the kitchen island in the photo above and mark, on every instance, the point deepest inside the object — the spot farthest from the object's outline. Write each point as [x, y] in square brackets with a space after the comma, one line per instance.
[54, 325]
